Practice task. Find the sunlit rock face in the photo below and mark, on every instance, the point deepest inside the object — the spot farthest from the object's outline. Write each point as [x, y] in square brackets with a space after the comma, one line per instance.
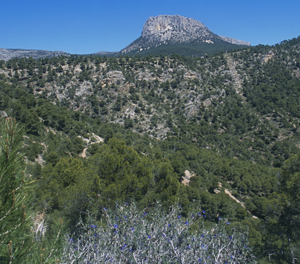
[175, 29]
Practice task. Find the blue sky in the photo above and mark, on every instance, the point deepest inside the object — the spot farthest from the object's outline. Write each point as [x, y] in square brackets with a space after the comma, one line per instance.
[89, 26]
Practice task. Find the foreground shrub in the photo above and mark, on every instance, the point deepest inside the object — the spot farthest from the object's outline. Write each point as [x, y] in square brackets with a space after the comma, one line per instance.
[14, 217]
[19, 241]
[155, 236]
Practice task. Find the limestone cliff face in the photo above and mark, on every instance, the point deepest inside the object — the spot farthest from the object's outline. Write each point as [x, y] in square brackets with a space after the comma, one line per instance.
[174, 29]
[171, 29]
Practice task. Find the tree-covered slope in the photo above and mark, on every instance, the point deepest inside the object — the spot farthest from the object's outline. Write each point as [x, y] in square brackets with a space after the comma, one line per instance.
[248, 96]
[190, 49]
[214, 129]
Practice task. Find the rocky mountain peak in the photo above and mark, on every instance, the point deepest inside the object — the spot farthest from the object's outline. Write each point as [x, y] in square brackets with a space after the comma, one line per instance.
[173, 29]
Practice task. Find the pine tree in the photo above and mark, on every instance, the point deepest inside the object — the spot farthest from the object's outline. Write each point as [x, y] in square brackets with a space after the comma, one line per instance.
[15, 239]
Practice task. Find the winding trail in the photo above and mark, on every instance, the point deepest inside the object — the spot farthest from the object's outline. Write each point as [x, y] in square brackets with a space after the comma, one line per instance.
[236, 200]
[98, 140]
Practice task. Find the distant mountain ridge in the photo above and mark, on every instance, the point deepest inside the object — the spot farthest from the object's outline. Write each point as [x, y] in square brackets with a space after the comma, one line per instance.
[235, 41]
[175, 29]
[7, 54]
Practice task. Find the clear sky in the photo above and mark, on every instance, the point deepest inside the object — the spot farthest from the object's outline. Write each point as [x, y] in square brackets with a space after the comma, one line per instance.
[88, 26]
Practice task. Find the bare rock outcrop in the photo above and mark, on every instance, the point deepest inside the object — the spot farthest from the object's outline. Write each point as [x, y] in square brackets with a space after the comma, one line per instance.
[267, 57]
[187, 177]
[114, 76]
[3, 114]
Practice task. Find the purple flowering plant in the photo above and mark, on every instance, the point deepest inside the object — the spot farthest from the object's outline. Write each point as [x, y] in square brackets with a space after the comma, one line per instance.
[129, 235]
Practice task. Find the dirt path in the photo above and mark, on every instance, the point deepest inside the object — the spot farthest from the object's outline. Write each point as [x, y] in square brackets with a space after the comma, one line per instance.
[236, 200]
[98, 140]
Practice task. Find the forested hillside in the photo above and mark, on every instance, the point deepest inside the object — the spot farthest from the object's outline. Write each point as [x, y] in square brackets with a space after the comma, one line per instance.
[221, 129]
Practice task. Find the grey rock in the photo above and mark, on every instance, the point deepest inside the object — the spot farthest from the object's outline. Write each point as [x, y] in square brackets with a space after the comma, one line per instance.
[115, 75]
[85, 88]
[3, 114]
[174, 29]
[4, 54]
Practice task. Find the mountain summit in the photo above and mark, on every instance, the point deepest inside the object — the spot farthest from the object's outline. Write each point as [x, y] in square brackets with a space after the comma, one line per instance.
[175, 29]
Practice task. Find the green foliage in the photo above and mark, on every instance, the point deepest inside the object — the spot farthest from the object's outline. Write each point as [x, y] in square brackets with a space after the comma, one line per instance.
[67, 186]
[52, 158]
[282, 214]
[128, 123]
[114, 173]
[192, 49]
[15, 219]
